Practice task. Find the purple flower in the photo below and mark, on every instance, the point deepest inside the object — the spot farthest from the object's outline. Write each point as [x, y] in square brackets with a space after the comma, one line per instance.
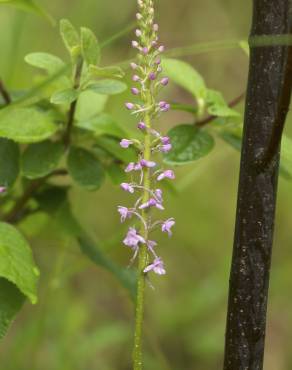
[158, 61]
[145, 50]
[124, 212]
[165, 140]
[157, 266]
[152, 203]
[133, 239]
[148, 164]
[164, 81]
[169, 174]
[127, 187]
[152, 76]
[161, 49]
[2, 189]
[136, 78]
[129, 106]
[130, 167]
[135, 91]
[141, 126]
[167, 225]
[165, 148]
[158, 193]
[133, 167]
[125, 143]
[166, 108]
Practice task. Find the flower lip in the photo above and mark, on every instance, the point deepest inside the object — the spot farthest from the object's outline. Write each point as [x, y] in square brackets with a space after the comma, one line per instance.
[133, 239]
[127, 187]
[157, 266]
[167, 225]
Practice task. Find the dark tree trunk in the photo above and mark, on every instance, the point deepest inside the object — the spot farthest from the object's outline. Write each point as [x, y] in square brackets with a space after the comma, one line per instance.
[267, 103]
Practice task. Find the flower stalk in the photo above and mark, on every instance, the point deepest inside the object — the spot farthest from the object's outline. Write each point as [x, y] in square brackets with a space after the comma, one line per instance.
[146, 173]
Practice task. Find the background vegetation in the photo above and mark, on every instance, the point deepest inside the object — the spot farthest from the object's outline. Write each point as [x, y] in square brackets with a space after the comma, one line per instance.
[84, 317]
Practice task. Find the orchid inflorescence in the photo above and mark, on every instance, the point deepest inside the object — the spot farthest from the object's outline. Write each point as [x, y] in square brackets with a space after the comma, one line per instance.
[145, 173]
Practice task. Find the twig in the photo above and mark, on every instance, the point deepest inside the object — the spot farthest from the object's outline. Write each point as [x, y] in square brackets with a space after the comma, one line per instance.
[4, 93]
[231, 104]
[72, 110]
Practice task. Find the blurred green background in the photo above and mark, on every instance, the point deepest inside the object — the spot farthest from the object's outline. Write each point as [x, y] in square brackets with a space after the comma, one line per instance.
[84, 319]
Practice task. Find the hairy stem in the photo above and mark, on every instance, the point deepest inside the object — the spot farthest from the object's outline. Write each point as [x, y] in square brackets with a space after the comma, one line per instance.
[4, 93]
[137, 353]
[72, 110]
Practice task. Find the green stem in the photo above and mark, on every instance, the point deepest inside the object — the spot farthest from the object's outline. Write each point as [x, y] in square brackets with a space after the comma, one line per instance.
[143, 256]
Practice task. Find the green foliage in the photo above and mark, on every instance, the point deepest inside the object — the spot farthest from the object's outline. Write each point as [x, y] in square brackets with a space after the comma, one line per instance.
[39, 160]
[216, 105]
[89, 104]
[126, 277]
[70, 36]
[107, 87]
[286, 158]
[49, 62]
[90, 47]
[66, 96]
[189, 143]
[112, 147]
[16, 262]
[26, 125]
[9, 162]
[11, 301]
[187, 77]
[85, 168]
[102, 124]
[106, 72]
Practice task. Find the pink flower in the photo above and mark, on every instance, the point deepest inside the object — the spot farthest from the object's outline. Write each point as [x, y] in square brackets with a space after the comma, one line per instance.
[149, 164]
[133, 239]
[126, 143]
[124, 212]
[167, 225]
[129, 106]
[2, 189]
[164, 81]
[168, 174]
[152, 203]
[166, 148]
[127, 187]
[157, 266]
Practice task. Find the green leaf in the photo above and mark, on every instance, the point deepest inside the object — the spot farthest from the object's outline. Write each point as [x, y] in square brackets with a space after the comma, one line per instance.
[11, 301]
[46, 61]
[89, 104]
[85, 168]
[217, 106]
[9, 162]
[188, 144]
[187, 77]
[116, 173]
[16, 261]
[112, 146]
[107, 87]
[29, 6]
[90, 46]
[66, 96]
[106, 72]
[102, 124]
[26, 125]
[126, 277]
[40, 159]
[51, 199]
[69, 35]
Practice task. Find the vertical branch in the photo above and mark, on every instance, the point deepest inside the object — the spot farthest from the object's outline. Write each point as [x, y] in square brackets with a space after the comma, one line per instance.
[268, 97]
[73, 105]
[5, 94]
